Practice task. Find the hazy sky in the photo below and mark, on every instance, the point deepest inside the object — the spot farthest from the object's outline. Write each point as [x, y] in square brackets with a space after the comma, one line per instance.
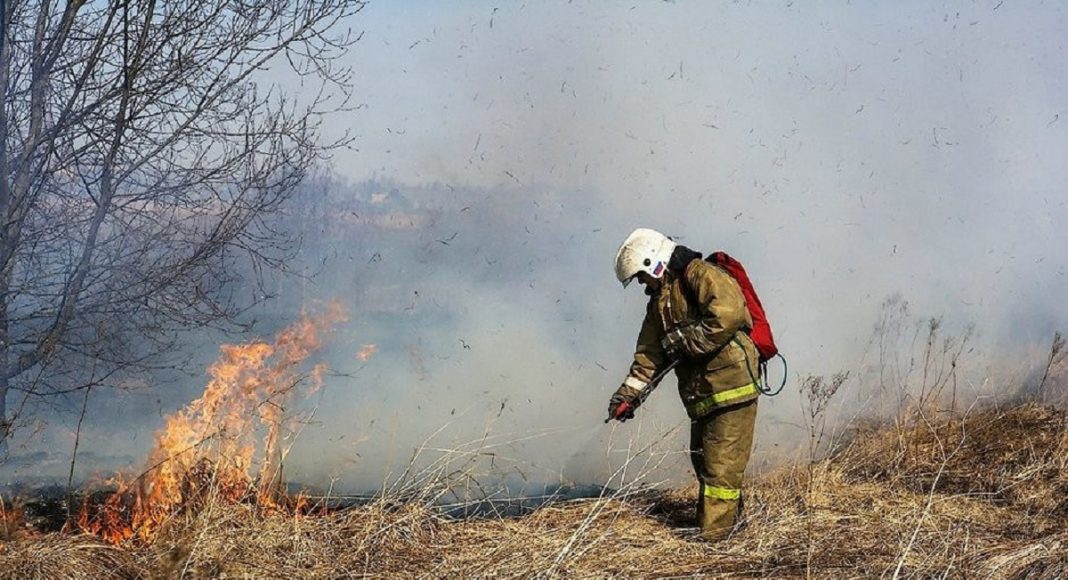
[848, 151]
[845, 152]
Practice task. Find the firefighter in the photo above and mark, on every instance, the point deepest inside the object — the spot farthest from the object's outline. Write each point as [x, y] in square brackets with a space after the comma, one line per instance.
[697, 316]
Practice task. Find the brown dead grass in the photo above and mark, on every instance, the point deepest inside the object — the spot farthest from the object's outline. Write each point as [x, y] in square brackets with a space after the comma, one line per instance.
[1017, 458]
[62, 556]
[979, 496]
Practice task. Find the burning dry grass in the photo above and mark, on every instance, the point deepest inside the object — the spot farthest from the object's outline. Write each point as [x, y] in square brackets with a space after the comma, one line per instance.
[213, 447]
[980, 496]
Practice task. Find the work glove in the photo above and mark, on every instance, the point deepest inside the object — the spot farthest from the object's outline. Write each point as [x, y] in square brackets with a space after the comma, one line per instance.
[623, 403]
[674, 344]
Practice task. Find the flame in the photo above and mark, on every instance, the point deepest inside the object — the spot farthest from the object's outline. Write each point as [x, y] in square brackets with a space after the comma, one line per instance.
[212, 448]
[367, 352]
[11, 520]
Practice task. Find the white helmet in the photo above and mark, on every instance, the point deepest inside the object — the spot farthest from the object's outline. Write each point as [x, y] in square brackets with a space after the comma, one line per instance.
[644, 250]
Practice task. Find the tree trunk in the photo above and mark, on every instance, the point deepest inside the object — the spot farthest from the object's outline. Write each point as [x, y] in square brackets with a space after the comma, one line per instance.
[5, 426]
[6, 254]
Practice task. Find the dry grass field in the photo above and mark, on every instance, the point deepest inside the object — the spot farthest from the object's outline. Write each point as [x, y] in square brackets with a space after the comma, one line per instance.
[984, 495]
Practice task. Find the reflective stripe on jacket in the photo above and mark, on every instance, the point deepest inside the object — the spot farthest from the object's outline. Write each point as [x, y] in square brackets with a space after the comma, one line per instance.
[704, 304]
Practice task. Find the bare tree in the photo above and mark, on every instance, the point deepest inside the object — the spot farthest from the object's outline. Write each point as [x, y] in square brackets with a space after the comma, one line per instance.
[142, 154]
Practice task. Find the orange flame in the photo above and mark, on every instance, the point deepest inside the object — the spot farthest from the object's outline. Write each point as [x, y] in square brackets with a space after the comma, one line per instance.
[11, 520]
[367, 352]
[210, 449]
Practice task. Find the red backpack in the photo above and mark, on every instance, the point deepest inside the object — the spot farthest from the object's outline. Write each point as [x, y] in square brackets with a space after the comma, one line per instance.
[761, 332]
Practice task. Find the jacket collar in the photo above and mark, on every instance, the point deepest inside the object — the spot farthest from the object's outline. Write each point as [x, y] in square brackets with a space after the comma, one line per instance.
[680, 258]
[676, 267]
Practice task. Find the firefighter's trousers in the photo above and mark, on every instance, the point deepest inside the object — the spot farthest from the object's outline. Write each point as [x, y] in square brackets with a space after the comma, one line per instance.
[720, 443]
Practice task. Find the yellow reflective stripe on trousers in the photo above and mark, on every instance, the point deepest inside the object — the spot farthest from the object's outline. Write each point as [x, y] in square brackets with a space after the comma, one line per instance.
[721, 492]
[719, 399]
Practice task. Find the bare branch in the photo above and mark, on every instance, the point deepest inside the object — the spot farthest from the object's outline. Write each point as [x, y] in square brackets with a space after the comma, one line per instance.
[141, 153]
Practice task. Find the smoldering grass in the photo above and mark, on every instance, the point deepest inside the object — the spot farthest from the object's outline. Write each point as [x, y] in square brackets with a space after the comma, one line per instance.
[11, 520]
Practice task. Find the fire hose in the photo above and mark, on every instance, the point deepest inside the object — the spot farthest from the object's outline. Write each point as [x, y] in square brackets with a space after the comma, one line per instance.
[628, 406]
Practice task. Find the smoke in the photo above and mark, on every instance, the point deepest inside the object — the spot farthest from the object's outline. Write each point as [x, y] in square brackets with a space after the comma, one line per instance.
[844, 153]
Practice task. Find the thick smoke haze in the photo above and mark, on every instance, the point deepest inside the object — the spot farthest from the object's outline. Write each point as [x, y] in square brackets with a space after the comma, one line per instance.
[846, 153]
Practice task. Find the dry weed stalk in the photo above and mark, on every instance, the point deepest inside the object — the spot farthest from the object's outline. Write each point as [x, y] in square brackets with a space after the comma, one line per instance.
[817, 393]
[911, 375]
[1055, 358]
[630, 484]
[945, 458]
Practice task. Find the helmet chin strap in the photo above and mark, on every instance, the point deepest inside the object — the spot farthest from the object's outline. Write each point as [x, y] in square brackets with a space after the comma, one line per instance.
[653, 288]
